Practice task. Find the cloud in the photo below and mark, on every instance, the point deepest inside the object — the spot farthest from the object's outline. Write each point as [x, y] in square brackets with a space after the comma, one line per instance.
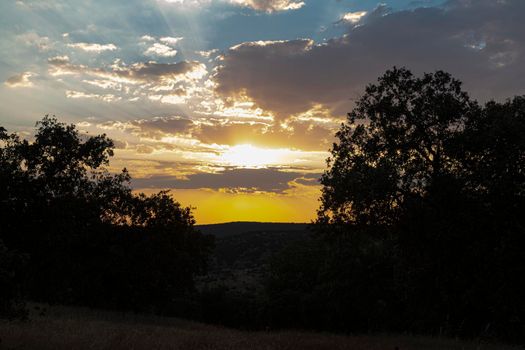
[480, 42]
[144, 149]
[188, 2]
[152, 71]
[163, 125]
[158, 81]
[207, 53]
[42, 43]
[79, 94]
[40, 5]
[243, 180]
[147, 38]
[162, 47]
[354, 17]
[303, 135]
[157, 127]
[296, 135]
[94, 48]
[171, 40]
[225, 144]
[160, 50]
[148, 83]
[58, 60]
[19, 80]
[270, 5]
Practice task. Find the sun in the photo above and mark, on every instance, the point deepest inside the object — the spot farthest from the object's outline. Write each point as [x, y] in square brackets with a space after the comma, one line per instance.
[250, 156]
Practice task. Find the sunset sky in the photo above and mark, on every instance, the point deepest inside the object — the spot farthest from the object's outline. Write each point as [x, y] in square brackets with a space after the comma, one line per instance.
[233, 104]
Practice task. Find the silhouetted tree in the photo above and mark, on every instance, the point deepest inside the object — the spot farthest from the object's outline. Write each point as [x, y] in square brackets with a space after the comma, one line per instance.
[421, 214]
[89, 239]
[397, 145]
[11, 298]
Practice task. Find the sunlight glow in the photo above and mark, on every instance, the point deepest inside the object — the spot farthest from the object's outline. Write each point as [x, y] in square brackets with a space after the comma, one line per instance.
[263, 207]
[253, 157]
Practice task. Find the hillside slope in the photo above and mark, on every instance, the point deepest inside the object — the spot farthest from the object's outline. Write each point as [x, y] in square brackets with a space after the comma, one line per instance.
[75, 328]
[240, 227]
[243, 251]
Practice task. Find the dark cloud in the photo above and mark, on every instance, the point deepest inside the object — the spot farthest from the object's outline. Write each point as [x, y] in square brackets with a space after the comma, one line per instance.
[480, 42]
[267, 180]
[163, 126]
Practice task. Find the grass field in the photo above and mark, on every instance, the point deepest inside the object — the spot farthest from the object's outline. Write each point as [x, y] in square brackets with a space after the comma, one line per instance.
[76, 328]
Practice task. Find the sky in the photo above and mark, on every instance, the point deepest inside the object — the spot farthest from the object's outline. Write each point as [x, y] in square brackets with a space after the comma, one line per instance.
[233, 104]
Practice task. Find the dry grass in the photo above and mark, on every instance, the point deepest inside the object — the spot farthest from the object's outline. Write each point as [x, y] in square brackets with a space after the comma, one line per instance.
[66, 328]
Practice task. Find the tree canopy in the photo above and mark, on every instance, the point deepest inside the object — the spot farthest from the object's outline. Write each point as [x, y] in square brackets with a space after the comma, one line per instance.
[88, 238]
[420, 222]
[400, 141]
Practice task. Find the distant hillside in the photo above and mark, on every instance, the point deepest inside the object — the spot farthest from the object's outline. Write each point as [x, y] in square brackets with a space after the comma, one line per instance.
[244, 249]
[235, 228]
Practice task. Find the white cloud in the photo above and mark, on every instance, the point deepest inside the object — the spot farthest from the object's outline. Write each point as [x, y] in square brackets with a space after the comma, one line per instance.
[95, 48]
[268, 6]
[160, 50]
[165, 83]
[147, 38]
[79, 94]
[58, 60]
[188, 2]
[173, 99]
[354, 17]
[170, 40]
[207, 53]
[137, 73]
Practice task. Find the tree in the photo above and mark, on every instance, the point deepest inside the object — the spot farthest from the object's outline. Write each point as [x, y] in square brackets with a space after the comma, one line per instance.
[89, 238]
[421, 167]
[495, 175]
[11, 297]
[420, 222]
[397, 144]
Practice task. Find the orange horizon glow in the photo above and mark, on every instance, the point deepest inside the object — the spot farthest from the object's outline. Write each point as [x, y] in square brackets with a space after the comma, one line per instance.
[215, 207]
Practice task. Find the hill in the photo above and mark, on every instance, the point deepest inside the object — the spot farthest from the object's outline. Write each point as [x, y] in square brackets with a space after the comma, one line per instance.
[243, 251]
[235, 228]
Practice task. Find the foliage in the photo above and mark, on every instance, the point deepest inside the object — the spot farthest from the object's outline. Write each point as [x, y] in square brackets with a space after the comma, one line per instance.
[89, 239]
[398, 144]
[421, 215]
[11, 298]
